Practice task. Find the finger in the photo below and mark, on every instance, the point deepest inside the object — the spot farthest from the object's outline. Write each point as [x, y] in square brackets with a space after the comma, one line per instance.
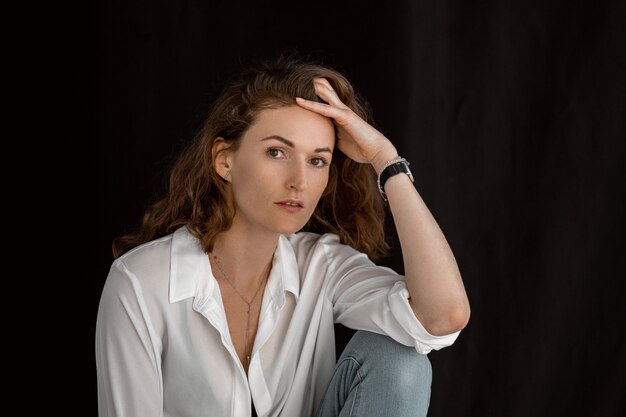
[321, 108]
[326, 84]
[324, 87]
[326, 92]
[323, 81]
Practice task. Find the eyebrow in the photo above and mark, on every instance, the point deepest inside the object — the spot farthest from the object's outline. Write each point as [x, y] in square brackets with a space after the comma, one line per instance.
[292, 145]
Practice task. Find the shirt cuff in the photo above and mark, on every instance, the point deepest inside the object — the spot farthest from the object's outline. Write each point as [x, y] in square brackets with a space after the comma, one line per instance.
[423, 341]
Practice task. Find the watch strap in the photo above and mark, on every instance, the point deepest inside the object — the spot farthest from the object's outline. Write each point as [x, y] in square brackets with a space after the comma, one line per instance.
[393, 167]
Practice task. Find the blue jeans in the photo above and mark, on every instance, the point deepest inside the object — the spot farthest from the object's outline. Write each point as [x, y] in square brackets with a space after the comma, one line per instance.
[377, 376]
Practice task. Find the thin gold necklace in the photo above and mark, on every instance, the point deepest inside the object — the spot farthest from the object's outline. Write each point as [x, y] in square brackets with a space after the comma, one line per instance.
[248, 351]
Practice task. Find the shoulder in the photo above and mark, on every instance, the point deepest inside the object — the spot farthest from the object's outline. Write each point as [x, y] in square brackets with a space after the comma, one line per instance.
[153, 254]
[328, 245]
[143, 268]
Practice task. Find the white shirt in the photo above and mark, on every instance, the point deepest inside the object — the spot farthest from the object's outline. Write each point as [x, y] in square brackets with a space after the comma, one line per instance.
[163, 347]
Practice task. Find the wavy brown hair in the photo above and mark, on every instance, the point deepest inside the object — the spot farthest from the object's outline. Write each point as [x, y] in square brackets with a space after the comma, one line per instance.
[196, 196]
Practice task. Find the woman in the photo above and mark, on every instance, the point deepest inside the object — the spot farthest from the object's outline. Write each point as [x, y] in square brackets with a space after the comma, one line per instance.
[223, 302]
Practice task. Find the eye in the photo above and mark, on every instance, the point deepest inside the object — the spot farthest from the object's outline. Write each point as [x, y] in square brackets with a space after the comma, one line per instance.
[274, 152]
[319, 162]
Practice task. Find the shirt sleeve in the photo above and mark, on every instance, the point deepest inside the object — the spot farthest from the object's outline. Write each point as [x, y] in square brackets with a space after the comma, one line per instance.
[127, 350]
[366, 296]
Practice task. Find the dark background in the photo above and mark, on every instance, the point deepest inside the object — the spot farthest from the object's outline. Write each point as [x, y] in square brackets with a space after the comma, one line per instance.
[510, 112]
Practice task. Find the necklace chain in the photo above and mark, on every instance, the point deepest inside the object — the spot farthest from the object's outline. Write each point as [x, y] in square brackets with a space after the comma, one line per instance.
[248, 303]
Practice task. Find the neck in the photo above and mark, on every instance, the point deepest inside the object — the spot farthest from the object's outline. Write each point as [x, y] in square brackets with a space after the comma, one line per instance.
[245, 256]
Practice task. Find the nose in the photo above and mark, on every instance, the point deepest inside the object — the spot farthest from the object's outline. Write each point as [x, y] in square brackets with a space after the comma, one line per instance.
[297, 178]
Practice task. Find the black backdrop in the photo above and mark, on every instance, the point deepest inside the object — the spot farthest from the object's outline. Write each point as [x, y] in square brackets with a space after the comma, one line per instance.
[512, 115]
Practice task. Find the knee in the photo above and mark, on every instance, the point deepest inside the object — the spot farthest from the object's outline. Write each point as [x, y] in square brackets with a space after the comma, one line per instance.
[393, 363]
[414, 370]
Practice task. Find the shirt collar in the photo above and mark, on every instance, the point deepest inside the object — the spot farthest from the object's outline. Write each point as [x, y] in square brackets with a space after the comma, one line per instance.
[284, 275]
[191, 275]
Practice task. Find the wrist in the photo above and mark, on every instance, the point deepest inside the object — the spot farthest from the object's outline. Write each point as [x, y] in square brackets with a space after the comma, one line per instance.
[383, 157]
[391, 168]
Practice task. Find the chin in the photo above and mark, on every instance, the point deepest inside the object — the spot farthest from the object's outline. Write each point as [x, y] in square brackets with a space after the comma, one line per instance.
[289, 228]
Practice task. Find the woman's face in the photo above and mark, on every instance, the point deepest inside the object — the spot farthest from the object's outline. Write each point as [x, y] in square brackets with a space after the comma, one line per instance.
[280, 169]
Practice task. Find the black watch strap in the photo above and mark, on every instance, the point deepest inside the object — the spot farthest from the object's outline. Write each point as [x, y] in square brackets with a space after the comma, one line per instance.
[399, 166]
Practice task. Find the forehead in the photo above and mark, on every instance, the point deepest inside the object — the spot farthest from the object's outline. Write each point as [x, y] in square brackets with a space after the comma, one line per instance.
[303, 127]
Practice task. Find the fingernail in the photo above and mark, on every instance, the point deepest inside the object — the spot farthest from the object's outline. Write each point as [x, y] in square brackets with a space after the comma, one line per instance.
[300, 99]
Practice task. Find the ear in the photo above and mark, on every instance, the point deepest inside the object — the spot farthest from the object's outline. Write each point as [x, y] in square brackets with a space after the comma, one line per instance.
[221, 153]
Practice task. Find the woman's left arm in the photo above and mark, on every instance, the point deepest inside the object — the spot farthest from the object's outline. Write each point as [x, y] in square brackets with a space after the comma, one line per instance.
[433, 279]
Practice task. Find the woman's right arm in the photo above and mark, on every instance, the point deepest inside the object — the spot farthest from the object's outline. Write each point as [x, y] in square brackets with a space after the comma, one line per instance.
[128, 358]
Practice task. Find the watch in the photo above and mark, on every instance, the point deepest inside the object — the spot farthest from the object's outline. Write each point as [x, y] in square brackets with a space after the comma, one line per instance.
[393, 167]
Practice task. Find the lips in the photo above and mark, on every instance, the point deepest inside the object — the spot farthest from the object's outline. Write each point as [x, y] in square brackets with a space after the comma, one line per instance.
[292, 202]
[291, 206]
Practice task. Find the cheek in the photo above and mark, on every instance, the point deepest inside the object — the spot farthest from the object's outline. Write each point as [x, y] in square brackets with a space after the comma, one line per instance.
[250, 182]
[320, 184]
